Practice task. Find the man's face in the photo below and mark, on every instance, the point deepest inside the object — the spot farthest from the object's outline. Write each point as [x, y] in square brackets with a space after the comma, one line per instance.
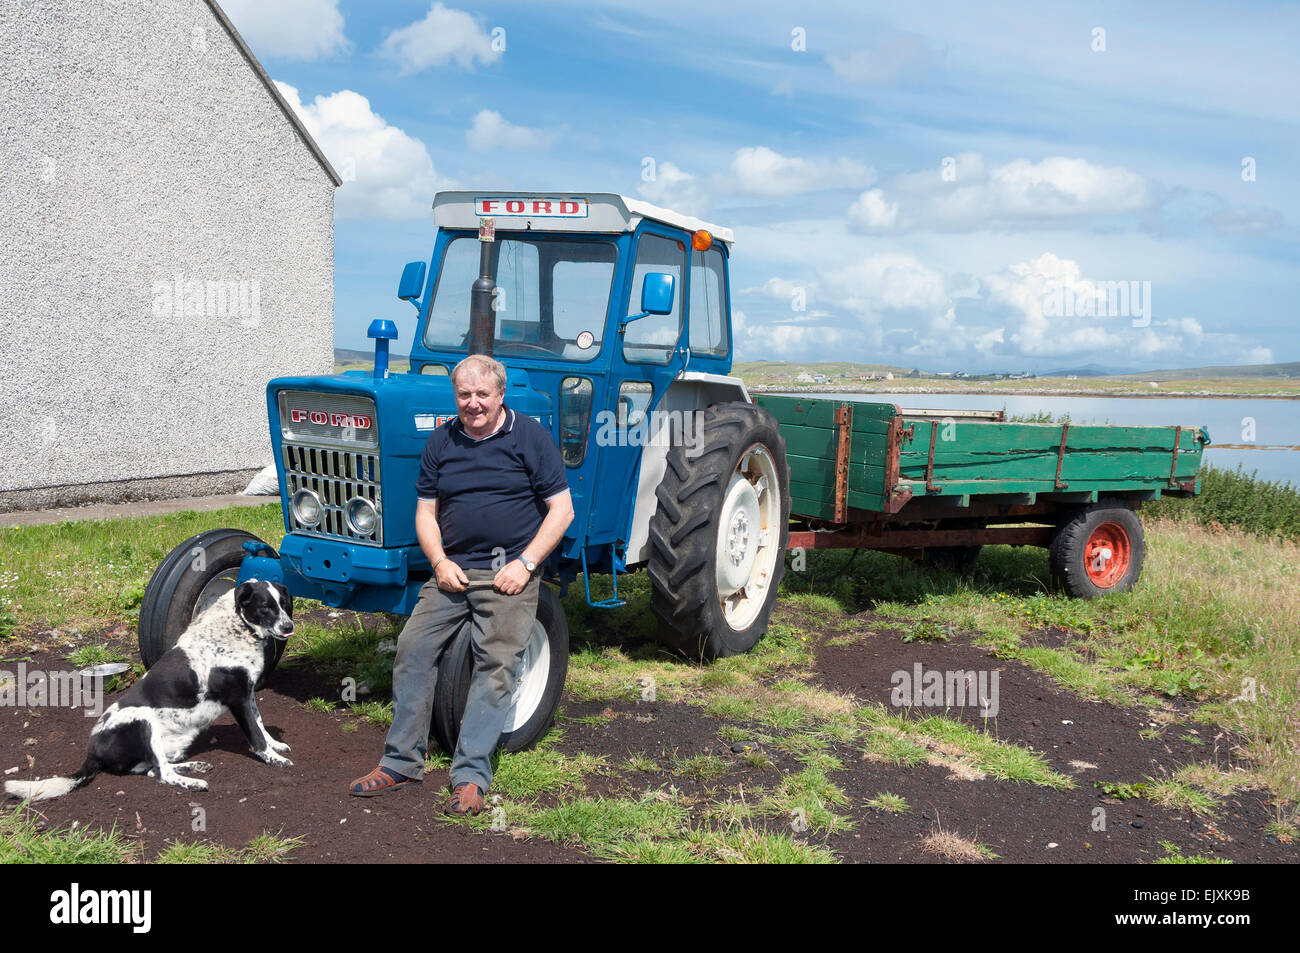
[478, 402]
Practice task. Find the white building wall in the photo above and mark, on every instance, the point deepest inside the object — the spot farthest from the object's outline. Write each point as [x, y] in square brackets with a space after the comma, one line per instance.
[139, 148]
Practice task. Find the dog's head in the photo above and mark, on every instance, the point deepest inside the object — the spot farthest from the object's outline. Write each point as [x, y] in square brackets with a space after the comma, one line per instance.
[267, 607]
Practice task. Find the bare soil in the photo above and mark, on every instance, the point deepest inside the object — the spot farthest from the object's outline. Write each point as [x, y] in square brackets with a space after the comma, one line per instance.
[1017, 821]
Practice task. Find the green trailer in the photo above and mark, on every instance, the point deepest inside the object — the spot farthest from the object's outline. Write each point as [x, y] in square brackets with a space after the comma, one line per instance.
[938, 485]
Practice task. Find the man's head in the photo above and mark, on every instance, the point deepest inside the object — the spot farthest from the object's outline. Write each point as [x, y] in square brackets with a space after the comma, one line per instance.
[480, 386]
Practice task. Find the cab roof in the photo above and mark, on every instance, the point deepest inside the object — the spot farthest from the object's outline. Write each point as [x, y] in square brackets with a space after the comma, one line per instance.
[561, 211]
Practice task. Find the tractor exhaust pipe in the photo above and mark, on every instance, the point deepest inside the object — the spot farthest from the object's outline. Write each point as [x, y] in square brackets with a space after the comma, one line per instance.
[482, 295]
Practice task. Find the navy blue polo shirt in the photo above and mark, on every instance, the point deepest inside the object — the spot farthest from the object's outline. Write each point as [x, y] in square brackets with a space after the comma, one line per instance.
[492, 492]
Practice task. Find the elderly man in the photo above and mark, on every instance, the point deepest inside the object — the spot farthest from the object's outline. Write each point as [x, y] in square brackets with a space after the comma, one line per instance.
[493, 503]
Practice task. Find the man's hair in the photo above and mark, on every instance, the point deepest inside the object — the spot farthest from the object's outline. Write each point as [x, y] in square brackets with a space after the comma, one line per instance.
[480, 365]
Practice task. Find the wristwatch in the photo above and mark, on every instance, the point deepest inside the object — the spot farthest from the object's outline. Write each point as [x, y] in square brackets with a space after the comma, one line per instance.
[529, 565]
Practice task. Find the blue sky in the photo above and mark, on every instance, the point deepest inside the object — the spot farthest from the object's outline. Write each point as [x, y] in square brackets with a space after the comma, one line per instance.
[909, 184]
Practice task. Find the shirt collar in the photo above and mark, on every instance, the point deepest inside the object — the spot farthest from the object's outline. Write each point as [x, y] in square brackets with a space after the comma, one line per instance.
[504, 428]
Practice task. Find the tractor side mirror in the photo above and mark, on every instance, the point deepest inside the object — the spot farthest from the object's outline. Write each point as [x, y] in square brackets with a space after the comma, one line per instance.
[657, 293]
[656, 298]
[412, 283]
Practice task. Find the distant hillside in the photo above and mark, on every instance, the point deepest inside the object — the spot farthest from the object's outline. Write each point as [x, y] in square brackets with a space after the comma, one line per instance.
[346, 359]
[1291, 370]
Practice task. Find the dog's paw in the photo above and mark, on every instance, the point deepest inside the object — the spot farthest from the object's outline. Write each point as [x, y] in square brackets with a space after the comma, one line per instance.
[272, 757]
[279, 746]
[198, 767]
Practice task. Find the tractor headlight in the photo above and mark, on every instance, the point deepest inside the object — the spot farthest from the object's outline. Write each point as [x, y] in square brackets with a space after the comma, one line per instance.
[307, 508]
[362, 516]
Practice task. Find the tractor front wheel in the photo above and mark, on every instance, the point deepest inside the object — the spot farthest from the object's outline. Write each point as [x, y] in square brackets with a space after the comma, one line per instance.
[719, 533]
[539, 682]
[191, 578]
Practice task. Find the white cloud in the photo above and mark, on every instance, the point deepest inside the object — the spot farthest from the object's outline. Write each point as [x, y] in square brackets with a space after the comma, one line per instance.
[386, 173]
[888, 282]
[966, 196]
[761, 171]
[874, 211]
[296, 29]
[443, 36]
[490, 131]
[1259, 355]
[674, 189]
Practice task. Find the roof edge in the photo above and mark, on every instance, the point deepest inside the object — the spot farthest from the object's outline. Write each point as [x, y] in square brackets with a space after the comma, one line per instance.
[275, 93]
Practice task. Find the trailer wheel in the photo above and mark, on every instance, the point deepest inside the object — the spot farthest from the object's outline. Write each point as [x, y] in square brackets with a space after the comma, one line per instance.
[190, 578]
[1098, 551]
[538, 688]
[719, 533]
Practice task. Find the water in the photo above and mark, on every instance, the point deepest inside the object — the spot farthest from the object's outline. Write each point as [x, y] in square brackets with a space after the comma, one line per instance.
[1276, 423]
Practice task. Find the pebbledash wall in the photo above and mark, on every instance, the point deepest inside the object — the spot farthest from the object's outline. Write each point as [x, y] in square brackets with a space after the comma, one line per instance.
[166, 248]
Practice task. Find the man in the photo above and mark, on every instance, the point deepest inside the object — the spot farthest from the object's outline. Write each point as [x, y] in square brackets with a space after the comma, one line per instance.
[493, 501]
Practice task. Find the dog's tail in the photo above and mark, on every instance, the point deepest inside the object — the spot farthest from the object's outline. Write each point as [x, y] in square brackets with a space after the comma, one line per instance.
[53, 787]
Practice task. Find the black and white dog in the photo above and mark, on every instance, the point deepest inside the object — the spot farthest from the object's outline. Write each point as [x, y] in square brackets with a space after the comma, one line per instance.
[212, 668]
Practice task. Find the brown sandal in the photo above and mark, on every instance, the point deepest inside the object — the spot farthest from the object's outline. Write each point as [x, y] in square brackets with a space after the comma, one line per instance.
[378, 781]
[465, 800]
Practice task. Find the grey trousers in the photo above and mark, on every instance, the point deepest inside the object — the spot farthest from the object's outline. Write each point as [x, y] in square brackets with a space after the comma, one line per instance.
[500, 628]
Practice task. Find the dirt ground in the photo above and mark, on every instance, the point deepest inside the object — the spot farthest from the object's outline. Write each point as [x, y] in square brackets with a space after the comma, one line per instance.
[1019, 822]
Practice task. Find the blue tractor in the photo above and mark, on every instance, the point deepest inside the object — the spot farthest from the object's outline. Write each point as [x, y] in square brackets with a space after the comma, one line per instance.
[612, 317]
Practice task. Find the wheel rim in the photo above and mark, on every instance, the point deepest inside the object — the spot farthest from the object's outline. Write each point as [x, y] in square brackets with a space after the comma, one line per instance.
[748, 536]
[1107, 555]
[530, 679]
[217, 587]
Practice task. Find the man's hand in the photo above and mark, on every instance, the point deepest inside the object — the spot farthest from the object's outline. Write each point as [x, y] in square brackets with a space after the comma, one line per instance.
[451, 578]
[511, 578]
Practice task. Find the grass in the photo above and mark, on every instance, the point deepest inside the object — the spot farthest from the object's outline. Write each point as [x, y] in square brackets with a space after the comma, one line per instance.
[542, 769]
[889, 803]
[95, 654]
[1239, 499]
[953, 847]
[22, 842]
[1174, 855]
[265, 848]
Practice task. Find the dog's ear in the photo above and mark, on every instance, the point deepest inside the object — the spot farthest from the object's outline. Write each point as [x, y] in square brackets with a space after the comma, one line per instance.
[285, 599]
[244, 594]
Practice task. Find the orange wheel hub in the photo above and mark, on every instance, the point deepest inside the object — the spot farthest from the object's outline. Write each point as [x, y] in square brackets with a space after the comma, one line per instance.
[1107, 555]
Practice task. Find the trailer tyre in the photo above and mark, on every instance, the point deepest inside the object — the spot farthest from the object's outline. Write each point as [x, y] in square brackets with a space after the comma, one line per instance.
[1098, 551]
[544, 667]
[719, 533]
[188, 580]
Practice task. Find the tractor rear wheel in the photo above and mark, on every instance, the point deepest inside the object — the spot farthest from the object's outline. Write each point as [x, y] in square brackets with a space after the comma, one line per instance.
[719, 533]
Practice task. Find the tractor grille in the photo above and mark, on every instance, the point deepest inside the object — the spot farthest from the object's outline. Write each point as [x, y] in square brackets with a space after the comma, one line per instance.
[335, 476]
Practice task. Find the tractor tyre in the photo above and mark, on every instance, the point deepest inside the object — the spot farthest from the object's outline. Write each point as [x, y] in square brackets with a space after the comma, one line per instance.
[719, 533]
[538, 687]
[191, 578]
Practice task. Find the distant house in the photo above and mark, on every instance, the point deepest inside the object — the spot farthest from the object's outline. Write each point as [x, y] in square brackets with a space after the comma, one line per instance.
[166, 247]
[804, 378]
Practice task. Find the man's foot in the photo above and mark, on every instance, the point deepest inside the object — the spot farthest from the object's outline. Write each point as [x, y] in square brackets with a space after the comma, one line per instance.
[465, 799]
[379, 781]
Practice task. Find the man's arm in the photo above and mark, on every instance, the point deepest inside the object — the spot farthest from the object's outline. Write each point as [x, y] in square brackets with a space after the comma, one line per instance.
[451, 578]
[513, 577]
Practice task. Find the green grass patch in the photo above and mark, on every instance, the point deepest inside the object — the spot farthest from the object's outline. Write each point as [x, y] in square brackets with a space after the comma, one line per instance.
[21, 842]
[890, 803]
